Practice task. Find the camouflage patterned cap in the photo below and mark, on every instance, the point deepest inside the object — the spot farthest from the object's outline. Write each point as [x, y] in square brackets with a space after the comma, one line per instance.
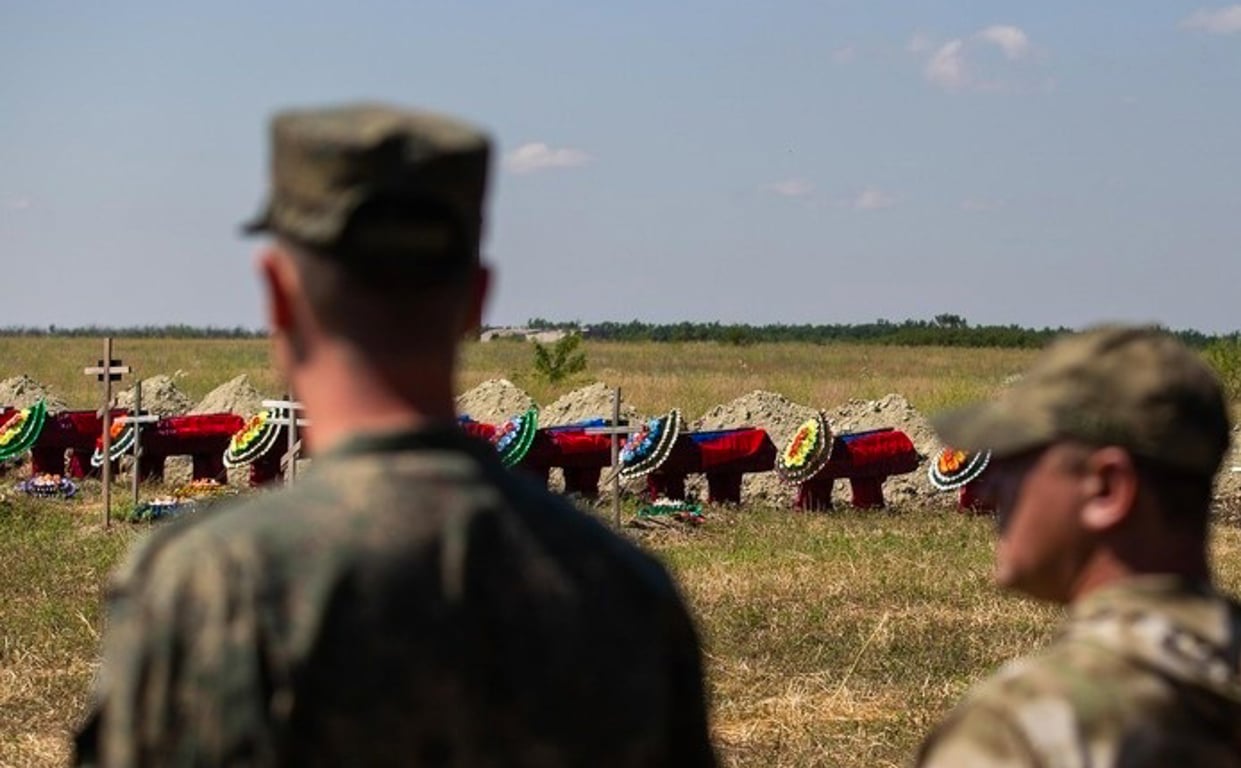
[375, 178]
[1137, 388]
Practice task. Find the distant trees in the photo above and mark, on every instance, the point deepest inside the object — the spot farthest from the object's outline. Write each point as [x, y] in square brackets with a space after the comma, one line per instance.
[177, 331]
[943, 330]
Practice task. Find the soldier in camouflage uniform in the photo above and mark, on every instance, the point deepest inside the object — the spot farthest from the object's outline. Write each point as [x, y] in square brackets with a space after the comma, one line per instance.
[1104, 458]
[409, 602]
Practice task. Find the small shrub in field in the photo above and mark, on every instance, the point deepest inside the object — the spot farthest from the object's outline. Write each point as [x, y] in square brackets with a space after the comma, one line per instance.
[1224, 356]
[561, 360]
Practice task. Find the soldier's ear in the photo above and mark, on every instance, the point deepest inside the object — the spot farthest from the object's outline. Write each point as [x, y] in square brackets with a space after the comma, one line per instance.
[276, 290]
[1109, 485]
[280, 285]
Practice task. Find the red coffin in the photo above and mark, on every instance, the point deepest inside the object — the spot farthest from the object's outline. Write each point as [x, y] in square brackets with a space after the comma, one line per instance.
[866, 459]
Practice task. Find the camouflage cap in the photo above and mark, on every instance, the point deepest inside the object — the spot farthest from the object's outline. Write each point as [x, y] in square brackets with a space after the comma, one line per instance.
[373, 178]
[1137, 388]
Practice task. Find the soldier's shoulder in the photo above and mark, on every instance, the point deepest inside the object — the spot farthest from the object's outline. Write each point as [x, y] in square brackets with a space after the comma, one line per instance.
[179, 543]
[578, 534]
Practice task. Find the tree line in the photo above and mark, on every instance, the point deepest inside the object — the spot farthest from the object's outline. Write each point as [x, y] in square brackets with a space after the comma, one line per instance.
[945, 330]
[177, 331]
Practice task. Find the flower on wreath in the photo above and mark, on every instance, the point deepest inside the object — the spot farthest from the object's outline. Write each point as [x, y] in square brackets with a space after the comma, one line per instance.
[807, 452]
[203, 486]
[513, 438]
[122, 435]
[645, 450]
[21, 429]
[255, 438]
[954, 468]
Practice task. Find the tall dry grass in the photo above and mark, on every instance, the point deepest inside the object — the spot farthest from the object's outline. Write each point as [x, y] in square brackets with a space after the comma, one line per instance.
[654, 377]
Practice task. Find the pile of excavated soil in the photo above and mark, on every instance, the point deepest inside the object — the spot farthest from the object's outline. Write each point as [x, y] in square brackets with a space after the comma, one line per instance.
[590, 402]
[160, 395]
[776, 414]
[237, 396]
[894, 411]
[23, 392]
[494, 401]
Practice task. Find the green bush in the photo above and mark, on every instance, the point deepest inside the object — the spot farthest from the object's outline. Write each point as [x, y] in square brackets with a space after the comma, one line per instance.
[1224, 355]
[561, 360]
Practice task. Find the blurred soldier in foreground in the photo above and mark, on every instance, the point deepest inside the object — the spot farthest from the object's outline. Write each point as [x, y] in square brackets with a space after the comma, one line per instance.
[1104, 458]
[409, 602]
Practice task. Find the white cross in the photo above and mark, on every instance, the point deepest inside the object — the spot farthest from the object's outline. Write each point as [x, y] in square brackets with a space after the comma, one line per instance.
[289, 459]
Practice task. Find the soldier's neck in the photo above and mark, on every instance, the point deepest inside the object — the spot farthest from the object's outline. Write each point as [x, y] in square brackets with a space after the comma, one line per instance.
[346, 397]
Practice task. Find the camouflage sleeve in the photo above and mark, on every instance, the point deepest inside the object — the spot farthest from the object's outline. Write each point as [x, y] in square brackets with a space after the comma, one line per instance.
[976, 737]
[183, 677]
[691, 745]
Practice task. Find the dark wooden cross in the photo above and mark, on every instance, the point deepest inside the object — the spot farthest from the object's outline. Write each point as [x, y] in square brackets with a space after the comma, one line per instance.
[615, 431]
[107, 371]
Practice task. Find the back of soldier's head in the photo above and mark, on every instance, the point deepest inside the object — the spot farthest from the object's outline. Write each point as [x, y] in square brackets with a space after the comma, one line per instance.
[383, 210]
[1133, 387]
[1138, 388]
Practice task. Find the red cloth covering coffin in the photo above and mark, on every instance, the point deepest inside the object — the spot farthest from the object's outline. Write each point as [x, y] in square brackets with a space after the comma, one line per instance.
[866, 459]
[582, 456]
[203, 437]
[970, 498]
[724, 456]
[73, 431]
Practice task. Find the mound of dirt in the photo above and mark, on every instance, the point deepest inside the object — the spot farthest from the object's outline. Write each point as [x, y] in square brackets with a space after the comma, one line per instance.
[494, 401]
[160, 395]
[237, 396]
[590, 402]
[23, 392]
[771, 411]
[894, 411]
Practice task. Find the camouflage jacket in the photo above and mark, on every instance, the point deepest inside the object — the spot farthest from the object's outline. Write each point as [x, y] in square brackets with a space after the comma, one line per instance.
[408, 602]
[1146, 673]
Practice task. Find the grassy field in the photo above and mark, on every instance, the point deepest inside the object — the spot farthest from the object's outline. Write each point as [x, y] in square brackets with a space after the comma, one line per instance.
[831, 640]
[654, 377]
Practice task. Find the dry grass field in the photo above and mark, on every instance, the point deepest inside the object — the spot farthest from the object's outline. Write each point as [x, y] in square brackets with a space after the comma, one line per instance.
[654, 377]
[831, 639]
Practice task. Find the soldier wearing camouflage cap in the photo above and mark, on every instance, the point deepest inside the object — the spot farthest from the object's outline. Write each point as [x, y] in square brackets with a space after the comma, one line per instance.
[1103, 460]
[409, 601]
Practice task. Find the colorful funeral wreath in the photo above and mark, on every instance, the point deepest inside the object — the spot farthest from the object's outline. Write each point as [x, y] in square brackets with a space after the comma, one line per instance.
[650, 446]
[161, 507]
[254, 439]
[203, 486]
[954, 468]
[47, 485]
[513, 438]
[807, 452]
[684, 511]
[21, 429]
[123, 434]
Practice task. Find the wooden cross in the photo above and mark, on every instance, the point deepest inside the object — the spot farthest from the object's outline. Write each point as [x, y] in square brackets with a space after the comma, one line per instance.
[107, 371]
[289, 459]
[615, 430]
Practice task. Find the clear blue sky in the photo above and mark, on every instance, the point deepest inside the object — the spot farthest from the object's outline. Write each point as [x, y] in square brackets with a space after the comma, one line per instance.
[1055, 163]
